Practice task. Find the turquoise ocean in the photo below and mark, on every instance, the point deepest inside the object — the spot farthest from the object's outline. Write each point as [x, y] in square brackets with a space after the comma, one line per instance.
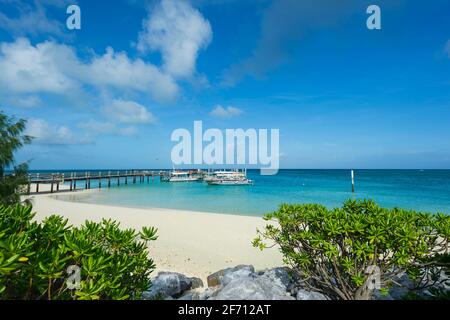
[425, 190]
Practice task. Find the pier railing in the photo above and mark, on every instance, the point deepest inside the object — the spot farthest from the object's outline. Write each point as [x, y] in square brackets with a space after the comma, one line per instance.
[100, 177]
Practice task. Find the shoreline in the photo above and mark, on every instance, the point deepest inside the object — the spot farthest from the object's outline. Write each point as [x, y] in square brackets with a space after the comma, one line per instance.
[53, 195]
[64, 191]
[189, 242]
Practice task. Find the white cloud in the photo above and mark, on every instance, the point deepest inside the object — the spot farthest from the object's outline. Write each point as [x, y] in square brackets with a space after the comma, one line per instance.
[225, 112]
[127, 131]
[117, 70]
[178, 31]
[45, 133]
[26, 101]
[128, 112]
[32, 19]
[99, 127]
[42, 68]
[55, 68]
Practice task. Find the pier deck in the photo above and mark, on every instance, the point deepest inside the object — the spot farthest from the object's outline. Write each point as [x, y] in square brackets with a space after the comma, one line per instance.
[57, 179]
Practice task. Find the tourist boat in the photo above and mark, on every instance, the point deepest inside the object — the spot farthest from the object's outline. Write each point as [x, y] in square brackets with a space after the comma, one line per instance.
[181, 176]
[228, 178]
[241, 182]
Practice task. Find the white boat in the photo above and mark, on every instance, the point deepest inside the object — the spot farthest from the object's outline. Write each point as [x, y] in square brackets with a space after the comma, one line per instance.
[241, 182]
[211, 176]
[180, 176]
[228, 178]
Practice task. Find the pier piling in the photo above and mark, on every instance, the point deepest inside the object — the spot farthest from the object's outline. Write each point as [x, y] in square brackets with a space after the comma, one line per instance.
[57, 182]
[53, 179]
[29, 184]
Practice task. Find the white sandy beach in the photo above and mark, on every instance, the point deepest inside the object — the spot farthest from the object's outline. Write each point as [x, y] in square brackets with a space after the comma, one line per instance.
[193, 243]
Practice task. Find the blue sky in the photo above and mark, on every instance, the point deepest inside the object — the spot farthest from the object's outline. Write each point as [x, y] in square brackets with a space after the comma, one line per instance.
[110, 95]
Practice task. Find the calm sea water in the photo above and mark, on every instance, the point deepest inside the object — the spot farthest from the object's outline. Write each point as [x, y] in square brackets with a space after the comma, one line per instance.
[427, 190]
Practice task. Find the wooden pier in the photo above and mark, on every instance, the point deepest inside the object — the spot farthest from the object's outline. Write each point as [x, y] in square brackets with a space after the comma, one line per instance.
[90, 179]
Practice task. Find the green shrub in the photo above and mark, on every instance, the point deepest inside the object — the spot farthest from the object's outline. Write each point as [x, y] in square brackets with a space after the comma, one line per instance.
[341, 252]
[35, 257]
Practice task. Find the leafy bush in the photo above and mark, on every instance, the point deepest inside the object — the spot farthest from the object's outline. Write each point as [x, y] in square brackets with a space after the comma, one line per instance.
[13, 185]
[35, 257]
[339, 252]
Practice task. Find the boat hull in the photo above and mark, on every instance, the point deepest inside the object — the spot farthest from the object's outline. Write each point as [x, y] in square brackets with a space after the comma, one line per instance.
[230, 183]
[183, 179]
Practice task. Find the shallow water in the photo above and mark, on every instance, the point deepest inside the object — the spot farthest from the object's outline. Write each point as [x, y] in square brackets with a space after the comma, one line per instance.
[426, 190]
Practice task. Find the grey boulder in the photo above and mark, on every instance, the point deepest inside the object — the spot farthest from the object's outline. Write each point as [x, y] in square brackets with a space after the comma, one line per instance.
[225, 276]
[170, 284]
[190, 295]
[281, 276]
[310, 295]
[252, 287]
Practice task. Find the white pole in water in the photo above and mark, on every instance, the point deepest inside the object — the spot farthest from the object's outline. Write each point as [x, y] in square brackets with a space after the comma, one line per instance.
[353, 182]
